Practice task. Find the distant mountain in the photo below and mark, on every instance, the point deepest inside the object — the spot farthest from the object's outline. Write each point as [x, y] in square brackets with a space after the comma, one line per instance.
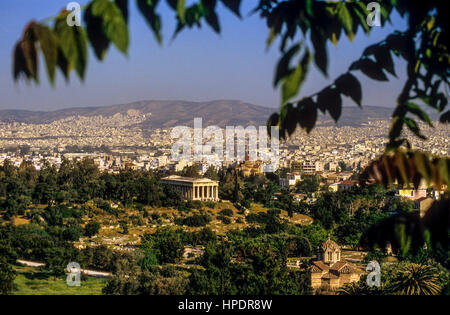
[165, 114]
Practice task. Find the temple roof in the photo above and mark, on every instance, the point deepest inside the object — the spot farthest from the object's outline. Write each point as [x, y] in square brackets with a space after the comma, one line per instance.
[176, 178]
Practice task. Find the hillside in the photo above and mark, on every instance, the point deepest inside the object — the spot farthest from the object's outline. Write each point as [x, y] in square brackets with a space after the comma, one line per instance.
[166, 114]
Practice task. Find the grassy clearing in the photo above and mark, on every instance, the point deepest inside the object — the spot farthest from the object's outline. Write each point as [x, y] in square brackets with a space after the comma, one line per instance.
[32, 281]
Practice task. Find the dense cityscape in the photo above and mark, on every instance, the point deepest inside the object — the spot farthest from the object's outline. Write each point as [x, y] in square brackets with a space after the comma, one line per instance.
[211, 196]
[206, 175]
[117, 142]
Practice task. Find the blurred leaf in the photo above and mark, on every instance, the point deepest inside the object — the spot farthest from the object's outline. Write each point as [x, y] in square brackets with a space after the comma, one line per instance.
[403, 168]
[370, 68]
[292, 83]
[346, 19]
[96, 34]
[384, 58]
[63, 64]
[445, 117]
[307, 114]
[330, 99]
[48, 43]
[288, 119]
[123, 6]
[349, 85]
[274, 120]
[360, 13]
[396, 128]
[444, 170]
[409, 167]
[113, 23]
[210, 14]
[73, 43]
[283, 67]
[402, 45]
[233, 5]
[414, 127]
[402, 231]
[320, 52]
[416, 110]
[147, 9]
[423, 165]
[25, 56]
[180, 7]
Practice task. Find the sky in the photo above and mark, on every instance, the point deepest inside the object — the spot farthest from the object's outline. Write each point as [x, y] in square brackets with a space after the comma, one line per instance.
[198, 65]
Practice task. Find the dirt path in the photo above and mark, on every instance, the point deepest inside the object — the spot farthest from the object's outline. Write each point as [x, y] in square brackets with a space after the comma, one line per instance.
[91, 273]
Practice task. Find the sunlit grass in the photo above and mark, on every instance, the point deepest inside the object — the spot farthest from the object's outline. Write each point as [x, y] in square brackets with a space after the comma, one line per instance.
[32, 281]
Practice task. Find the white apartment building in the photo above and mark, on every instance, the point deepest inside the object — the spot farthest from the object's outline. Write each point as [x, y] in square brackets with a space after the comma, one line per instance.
[291, 180]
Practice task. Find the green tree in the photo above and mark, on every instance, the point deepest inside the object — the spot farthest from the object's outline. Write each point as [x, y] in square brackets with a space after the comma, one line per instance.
[190, 171]
[343, 166]
[46, 186]
[92, 228]
[124, 226]
[309, 184]
[167, 244]
[148, 258]
[212, 173]
[231, 186]
[7, 276]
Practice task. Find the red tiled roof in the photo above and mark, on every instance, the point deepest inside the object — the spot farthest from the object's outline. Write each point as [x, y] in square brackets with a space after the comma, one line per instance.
[348, 182]
[329, 275]
[320, 266]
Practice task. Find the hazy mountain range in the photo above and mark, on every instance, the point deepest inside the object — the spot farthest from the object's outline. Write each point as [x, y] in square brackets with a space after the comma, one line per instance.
[165, 114]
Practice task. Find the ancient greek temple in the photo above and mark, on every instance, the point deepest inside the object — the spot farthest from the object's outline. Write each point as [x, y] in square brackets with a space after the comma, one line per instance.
[203, 189]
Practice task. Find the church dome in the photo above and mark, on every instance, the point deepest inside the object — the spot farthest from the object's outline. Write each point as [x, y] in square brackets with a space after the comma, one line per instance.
[330, 245]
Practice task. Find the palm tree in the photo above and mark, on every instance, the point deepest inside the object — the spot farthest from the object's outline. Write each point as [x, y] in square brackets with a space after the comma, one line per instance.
[359, 288]
[414, 279]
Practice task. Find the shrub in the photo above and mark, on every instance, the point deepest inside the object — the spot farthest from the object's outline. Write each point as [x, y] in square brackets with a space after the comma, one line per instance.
[137, 220]
[148, 258]
[195, 220]
[210, 204]
[196, 204]
[124, 227]
[227, 212]
[184, 208]
[224, 219]
[73, 232]
[246, 204]
[204, 236]
[166, 243]
[91, 228]
[252, 218]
